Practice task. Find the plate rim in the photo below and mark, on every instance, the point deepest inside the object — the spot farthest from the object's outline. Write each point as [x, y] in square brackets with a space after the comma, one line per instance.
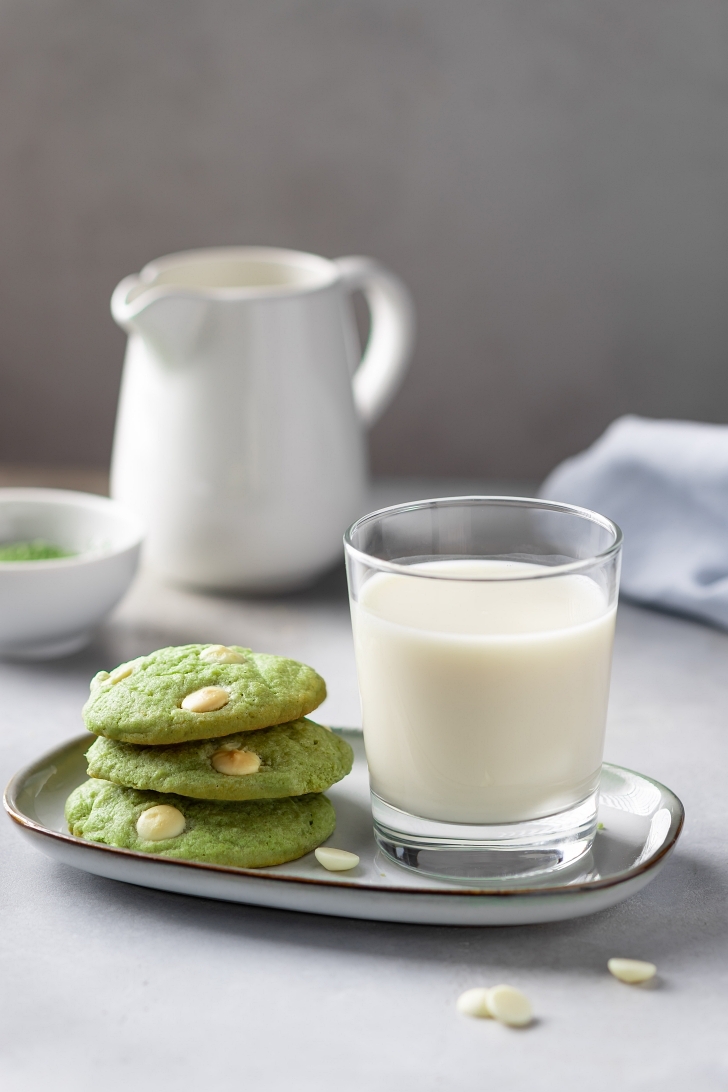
[17, 781]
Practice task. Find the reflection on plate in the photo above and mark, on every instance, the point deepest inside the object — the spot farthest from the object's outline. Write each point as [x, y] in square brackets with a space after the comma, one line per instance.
[640, 823]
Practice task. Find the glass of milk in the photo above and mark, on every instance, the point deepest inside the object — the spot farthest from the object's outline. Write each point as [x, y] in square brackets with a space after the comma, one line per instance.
[483, 630]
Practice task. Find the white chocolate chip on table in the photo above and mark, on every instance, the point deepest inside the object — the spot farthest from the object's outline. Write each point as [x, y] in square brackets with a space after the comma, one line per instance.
[206, 700]
[336, 860]
[504, 1003]
[235, 763]
[221, 654]
[631, 971]
[509, 1006]
[474, 1003]
[160, 822]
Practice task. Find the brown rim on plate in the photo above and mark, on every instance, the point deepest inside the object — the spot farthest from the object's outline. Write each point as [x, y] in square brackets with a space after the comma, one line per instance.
[17, 782]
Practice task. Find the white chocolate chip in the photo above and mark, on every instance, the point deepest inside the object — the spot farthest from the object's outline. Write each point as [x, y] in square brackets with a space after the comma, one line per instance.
[632, 970]
[221, 654]
[99, 678]
[160, 822]
[474, 1003]
[336, 860]
[509, 1006]
[123, 671]
[235, 763]
[206, 700]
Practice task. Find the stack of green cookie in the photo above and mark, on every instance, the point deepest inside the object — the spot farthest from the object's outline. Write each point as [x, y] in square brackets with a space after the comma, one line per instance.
[203, 754]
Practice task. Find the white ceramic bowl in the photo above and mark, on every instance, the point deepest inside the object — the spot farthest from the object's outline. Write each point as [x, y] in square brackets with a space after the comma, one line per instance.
[50, 608]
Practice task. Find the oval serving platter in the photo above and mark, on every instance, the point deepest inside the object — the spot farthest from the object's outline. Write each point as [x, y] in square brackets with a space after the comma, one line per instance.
[640, 822]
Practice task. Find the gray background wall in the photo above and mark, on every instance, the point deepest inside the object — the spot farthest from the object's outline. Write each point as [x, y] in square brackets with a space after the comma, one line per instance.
[549, 176]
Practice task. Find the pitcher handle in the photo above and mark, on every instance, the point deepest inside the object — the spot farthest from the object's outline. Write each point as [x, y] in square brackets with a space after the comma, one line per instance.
[388, 350]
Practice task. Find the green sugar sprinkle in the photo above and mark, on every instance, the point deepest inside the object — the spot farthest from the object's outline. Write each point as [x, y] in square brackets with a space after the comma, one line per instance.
[37, 550]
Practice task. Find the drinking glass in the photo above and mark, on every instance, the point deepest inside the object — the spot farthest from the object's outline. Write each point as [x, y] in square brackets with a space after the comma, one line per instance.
[483, 631]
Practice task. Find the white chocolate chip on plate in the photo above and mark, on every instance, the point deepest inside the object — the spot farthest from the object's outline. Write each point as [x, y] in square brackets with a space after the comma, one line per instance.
[474, 1003]
[123, 671]
[206, 700]
[509, 1006]
[221, 654]
[235, 763]
[160, 822]
[336, 860]
[631, 970]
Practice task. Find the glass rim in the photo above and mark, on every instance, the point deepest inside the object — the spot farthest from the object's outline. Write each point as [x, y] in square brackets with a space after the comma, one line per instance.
[507, 502]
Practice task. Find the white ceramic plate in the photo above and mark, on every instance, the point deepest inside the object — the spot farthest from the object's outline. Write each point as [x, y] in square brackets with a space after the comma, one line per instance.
[641, 823]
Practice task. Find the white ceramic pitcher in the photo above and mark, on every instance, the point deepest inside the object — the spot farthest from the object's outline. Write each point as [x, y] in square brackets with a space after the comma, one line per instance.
[240, 431]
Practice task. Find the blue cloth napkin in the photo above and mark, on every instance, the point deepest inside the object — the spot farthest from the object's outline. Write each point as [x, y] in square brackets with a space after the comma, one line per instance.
[666, 484]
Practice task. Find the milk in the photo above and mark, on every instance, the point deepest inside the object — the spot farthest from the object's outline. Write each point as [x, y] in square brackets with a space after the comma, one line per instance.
[483, 702]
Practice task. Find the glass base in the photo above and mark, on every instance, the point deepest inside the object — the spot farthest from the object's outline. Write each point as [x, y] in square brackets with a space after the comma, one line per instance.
[486, 852]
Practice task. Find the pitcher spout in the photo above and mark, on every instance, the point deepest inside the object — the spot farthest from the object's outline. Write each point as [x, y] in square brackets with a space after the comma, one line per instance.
[167, 318]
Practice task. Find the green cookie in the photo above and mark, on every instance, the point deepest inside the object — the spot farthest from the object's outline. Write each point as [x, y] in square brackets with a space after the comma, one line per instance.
[141, 702]
[244, 834]
[296, 758]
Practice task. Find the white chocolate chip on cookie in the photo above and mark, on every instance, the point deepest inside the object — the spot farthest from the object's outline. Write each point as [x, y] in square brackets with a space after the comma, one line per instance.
[160, 822]
[336, 860]
[121, 672]
[631, 970]
[206, 700]
[474, 1003]
[235, 763]
[509, 1006]
[221, 654]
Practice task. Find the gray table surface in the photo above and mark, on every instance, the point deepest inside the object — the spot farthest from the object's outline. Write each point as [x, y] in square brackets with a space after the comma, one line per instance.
[109, 986]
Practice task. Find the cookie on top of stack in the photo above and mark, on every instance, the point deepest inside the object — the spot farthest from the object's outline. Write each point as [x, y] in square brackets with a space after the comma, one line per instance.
[203, 753]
